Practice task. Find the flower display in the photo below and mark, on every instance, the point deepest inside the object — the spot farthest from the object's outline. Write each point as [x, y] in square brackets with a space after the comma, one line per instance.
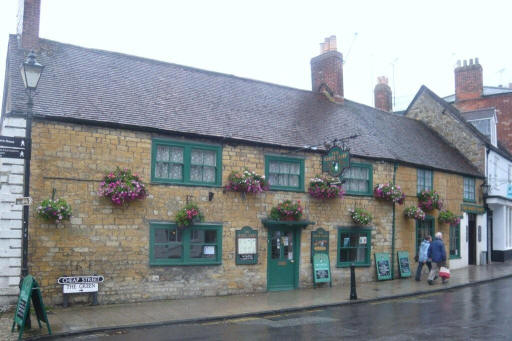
[448, 217]
[325, 188]
[389, 191]
[429, 200]
[246, 182]
[54, 210]
[287, 210]
[188, 214]
[414, 212]
[121, 186]
[360, 216]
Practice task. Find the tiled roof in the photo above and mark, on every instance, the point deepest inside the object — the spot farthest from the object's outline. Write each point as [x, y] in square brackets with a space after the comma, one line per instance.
[111, 88]
[487, 91]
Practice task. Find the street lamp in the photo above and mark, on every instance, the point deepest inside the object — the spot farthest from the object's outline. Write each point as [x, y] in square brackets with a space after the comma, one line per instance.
[485, 188]
[30, 73]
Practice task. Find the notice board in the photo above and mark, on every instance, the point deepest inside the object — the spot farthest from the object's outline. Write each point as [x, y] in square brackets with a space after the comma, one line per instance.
[383, 266]
[321, 268]
[403, 264]
[246, 246]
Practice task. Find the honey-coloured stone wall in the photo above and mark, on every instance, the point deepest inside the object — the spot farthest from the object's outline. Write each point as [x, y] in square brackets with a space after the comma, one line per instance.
[101, 238]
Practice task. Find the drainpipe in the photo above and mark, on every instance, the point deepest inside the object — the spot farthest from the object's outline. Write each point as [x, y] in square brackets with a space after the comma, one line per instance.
[393, 228]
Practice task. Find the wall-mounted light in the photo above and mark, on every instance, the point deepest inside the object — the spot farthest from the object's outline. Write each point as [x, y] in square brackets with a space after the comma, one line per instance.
[210, 196]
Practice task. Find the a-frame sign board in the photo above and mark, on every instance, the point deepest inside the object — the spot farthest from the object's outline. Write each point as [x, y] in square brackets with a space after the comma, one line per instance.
[29, 290]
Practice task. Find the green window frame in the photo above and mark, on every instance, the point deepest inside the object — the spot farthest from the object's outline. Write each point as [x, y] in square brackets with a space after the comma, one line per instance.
[350, 251]
[200, 244]
[182, 163]
[358, 179]
[455, 241]
[425, 180]
[284, 173]
[423, 228]
[469, 189]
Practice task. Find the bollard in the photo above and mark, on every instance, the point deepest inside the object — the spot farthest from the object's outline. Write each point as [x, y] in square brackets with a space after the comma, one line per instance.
[353, 293]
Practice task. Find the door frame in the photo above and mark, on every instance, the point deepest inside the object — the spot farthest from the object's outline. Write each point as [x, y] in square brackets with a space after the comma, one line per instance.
[296, 253]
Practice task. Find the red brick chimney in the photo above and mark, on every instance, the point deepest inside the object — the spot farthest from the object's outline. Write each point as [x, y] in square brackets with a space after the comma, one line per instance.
[382, 94]
[327, 70]
[468, 80]
[28, 24]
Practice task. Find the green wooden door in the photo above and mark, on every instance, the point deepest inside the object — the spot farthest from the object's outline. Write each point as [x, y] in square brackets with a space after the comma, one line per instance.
[283, 258]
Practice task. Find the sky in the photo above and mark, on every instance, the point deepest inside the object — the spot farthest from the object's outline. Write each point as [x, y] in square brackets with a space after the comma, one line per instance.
[411, 42]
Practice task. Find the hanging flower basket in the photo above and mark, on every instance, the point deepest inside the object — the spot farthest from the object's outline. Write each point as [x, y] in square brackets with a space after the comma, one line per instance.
[414, 212]
[325, 188]
[389, 192]
[246, 182]
[188, 215]
[287, 211]
[121, 187]
[54, 210]
[360, 216]
[448, 217]
[429, 200]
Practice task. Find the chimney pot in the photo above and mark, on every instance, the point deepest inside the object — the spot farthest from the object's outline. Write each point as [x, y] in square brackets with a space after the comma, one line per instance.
[468, 81]
[327, 70]
[476, 60]
[382, 93]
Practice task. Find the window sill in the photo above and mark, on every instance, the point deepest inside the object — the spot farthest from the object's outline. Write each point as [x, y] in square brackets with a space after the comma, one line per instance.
[296, 190]
[166, 183]
[186, 264]
[357, 265]
[470, 201]
[359, 194]
[455, 257]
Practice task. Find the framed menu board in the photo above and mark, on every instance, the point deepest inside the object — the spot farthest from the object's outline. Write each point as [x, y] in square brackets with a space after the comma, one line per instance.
[403, 264]
[246, 246]
[383, 266]
[319, 242]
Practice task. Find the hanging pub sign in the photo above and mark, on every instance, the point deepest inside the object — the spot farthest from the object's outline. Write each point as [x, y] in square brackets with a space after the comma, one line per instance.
[246, 246]
[336, 161]
[403, 264]
[383, 266]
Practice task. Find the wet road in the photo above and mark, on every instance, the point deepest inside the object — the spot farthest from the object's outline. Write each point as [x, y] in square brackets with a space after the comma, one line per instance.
[471, 313]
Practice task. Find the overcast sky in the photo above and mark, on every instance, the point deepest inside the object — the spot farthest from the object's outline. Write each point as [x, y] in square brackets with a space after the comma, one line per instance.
[273, 41]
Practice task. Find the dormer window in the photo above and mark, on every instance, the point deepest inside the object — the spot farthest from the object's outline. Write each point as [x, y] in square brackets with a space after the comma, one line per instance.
[483, 126]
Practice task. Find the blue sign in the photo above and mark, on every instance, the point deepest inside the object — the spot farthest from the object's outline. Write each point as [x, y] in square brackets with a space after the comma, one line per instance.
[509, 190]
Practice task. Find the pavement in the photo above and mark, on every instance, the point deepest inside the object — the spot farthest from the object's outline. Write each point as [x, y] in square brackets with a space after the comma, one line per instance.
[80, 319]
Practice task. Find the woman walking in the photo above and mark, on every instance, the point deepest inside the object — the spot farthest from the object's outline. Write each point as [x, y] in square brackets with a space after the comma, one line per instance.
[423, 257]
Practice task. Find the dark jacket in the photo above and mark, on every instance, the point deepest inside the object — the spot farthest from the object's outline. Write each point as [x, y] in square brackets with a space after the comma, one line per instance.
[436, 251]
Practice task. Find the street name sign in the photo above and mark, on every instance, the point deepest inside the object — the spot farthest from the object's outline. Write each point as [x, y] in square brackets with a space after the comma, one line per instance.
[14, 142]
[80, 287]
[80, 279]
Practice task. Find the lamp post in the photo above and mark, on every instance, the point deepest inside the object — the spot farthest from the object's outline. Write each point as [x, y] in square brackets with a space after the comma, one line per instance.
[30, 73]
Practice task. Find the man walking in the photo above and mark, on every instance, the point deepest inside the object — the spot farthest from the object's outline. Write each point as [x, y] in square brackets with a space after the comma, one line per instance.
[423, 256]
[437, 253]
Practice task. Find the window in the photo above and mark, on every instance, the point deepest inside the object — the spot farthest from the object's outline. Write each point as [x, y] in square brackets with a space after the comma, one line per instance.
[186, 163]
[284, 173]
[424, 228]
[198, 244]
[354, 246]
[469, 189]
[455, 241]
[358, 179]
[425, 180]
[483, 126]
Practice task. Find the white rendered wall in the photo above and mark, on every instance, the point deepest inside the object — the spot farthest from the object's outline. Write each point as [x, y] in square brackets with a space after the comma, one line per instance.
[11, 187]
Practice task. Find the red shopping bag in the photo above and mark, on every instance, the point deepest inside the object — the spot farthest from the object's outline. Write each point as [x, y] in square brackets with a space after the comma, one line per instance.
[444, 272]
